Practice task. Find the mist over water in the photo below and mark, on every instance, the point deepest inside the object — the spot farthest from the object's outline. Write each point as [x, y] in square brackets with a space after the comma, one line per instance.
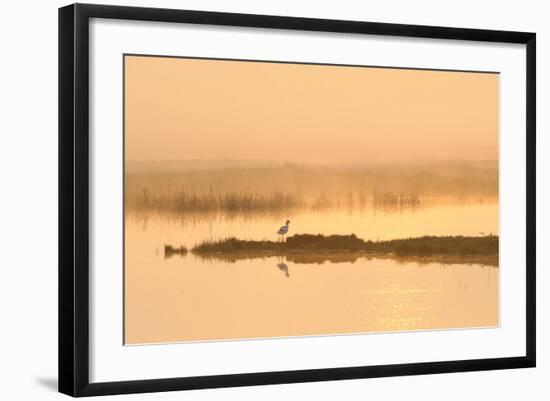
[192, 298]
[239, 187]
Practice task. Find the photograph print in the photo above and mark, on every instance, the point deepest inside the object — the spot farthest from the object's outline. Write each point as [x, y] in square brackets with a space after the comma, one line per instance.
[278, 199]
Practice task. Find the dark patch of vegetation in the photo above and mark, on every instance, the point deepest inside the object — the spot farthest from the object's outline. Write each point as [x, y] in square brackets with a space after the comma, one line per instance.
[431, 245]
[237, 245]
[306, 242]
[170, 251]
[422, 246]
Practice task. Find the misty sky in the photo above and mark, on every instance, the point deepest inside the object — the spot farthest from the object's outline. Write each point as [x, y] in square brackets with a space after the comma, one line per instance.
[206, 109]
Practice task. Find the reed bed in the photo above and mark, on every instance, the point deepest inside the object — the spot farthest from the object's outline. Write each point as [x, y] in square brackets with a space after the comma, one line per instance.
[289, 187]
[170, 251]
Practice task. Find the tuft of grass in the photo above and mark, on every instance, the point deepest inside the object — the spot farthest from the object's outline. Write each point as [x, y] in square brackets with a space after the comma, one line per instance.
[170, 251]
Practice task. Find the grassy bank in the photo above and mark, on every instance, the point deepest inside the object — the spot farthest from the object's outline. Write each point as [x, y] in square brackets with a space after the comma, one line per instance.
[428, 245]
[308, 248]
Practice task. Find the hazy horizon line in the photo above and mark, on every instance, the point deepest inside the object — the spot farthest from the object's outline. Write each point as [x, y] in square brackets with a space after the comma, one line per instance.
[396, 161]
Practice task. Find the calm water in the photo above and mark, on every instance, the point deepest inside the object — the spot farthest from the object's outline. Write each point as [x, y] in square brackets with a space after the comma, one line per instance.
[188, 298]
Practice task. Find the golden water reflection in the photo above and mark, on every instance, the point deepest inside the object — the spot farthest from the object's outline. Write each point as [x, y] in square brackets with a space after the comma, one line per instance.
[189, 298]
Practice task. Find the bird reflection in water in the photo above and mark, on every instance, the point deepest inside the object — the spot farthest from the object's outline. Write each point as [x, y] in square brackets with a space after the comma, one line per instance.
[284, 268]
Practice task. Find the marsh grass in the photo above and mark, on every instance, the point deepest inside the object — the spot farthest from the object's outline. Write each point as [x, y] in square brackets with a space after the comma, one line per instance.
[421, 246]
[184, 201]
[290, 187]
[432, 245]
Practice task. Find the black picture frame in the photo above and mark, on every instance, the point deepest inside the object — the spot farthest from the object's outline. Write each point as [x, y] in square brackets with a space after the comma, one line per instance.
[74, 197]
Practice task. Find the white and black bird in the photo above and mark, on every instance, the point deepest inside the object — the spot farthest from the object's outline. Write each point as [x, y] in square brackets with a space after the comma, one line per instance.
[283, 230]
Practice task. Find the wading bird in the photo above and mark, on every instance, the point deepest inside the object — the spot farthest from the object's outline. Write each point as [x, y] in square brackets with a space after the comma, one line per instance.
[283, 230]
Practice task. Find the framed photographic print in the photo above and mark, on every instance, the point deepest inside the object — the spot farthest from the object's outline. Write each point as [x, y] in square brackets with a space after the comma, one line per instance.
[250, 199]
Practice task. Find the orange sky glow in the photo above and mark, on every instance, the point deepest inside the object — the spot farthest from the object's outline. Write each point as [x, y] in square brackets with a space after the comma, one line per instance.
[191, 109]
